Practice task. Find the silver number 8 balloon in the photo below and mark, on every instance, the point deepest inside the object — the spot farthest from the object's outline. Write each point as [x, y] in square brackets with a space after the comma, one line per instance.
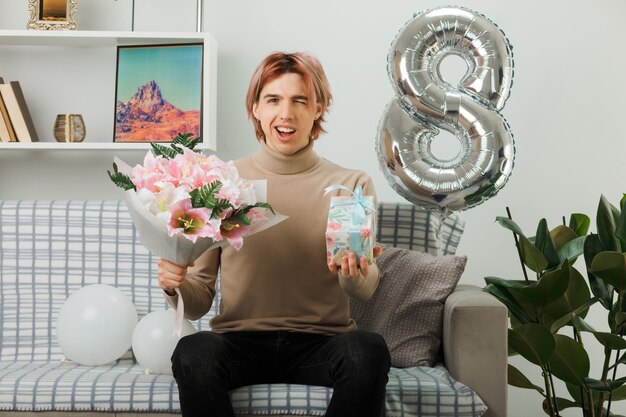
[425, 102]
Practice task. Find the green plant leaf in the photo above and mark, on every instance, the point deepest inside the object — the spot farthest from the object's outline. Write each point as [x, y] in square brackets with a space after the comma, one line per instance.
[606, 225]
[532, 257]
[567, 318]
[608, 340]
[561, 235]
[620, 231]
[518, 379]
[572, 249]
[619, 394]
[549, 288]
[514, 307]
[175, 147]
[574, 391]
[543, 242]
[120, 179]
[599, 287]
[185, 139]
[611, 267]
[508, 283]
[604, 386]
[570, 362]
[579, 223]
[509, 224]
[534, 342]
[561, 404]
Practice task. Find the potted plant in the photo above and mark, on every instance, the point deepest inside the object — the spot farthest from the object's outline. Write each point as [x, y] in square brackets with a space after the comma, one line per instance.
[547, 312]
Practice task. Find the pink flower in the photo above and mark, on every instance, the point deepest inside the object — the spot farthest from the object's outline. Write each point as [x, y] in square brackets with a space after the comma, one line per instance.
[333, 226]
[192, 222]
[365, 233]
[234, 233]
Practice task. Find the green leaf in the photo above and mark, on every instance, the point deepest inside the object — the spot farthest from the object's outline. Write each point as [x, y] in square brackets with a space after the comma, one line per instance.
[619, 394]
[164, 151]
[120, 179]
[576, 294]
[175, 147]
[185, 139]
[608, 340]
[574, 391]
[600, 289]
[534, 342]
[620, 231]
[550, 287]
[543, 242]
[533, 257]
[514, 307]
[604, 386]
[561, 404]
[606, 225]
[572, 249]
[509, 224]
[611, 267]
[581, 325]
[567, 318]
[561, 235]
[570, 362]
[260, 205]
[579, 223]
[517, 379]
[205, 195]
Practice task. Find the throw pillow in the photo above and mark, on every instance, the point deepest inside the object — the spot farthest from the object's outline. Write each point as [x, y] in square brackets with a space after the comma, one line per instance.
[407, 307]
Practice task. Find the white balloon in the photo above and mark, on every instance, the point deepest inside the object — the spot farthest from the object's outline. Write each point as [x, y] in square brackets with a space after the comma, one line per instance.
[154, 340]
[95, 325]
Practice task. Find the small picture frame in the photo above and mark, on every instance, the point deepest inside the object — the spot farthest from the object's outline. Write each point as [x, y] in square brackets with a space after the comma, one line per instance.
[158, 92]
[52, 14]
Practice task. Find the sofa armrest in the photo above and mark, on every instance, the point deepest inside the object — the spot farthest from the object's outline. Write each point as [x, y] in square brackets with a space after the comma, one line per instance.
[475, 345]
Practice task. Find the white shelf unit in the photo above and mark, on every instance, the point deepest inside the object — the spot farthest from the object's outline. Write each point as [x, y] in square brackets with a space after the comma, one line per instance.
[75, 72]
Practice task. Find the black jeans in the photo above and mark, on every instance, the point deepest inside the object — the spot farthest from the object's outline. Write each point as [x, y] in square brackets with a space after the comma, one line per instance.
[207, 366]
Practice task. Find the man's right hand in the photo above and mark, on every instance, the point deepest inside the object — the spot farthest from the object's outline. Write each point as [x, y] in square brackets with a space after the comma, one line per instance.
[171, 275]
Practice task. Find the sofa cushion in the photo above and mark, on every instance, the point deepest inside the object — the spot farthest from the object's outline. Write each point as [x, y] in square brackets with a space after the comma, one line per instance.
[124, 387]
[416, 284]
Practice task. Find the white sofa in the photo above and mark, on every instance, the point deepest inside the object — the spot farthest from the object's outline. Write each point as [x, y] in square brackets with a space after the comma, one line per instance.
[48, 250]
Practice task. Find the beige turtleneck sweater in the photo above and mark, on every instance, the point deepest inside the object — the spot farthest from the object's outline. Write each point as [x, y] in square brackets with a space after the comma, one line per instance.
[279, 280]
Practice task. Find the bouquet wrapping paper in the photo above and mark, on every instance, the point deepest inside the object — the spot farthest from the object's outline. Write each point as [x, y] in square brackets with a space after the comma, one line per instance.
[351, 225]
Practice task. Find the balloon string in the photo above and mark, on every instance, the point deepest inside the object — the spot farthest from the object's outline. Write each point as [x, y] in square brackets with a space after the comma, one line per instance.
[180, 313]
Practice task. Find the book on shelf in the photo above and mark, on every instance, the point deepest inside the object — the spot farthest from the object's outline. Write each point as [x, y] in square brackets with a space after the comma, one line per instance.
[19, 114]
[7, 134]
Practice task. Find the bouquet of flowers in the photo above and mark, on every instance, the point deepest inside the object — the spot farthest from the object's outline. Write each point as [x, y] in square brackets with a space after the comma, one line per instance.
[196, 201]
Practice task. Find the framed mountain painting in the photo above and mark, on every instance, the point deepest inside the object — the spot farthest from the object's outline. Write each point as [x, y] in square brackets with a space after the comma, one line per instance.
[158, 92]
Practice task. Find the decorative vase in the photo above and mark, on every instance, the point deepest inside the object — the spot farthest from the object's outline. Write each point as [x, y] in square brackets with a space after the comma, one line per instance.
[69, 128]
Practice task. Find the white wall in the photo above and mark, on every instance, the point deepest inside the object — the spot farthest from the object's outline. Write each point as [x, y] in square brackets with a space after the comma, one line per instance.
[566, 108]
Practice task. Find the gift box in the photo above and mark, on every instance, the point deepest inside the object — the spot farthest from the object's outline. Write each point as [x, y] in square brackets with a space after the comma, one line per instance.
[351, 225]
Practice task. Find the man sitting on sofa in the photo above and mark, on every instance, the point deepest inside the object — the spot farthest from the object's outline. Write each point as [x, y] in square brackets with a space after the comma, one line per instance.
[284, 314]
